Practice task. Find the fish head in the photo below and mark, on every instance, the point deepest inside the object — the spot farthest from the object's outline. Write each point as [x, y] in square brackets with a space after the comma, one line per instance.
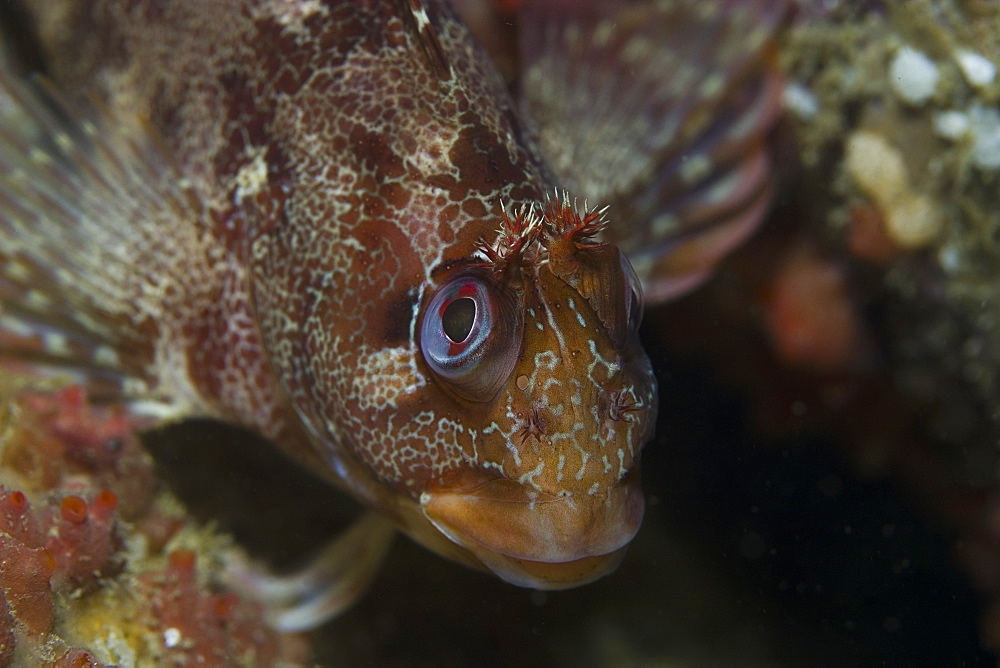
[492, 401]
[539, 347]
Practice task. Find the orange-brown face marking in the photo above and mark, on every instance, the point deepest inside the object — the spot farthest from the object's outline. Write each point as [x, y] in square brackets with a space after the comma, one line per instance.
[550, 474]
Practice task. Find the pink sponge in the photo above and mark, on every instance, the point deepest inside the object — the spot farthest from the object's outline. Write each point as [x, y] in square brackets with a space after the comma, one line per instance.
[83, 541]
[200, 627]
[75, 486]
[17, 520]
[24, 581]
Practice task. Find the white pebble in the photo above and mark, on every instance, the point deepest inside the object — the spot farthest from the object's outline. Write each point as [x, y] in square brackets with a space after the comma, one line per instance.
[800, 100]
[878, 168]
[171, 637]
[978, 70]
[950, 259]
[913, 222]
[951, 124]
[913, 75]
[985, 127]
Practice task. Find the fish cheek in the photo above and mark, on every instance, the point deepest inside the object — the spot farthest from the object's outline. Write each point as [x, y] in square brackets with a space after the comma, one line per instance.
[422, 447]
[332, 305]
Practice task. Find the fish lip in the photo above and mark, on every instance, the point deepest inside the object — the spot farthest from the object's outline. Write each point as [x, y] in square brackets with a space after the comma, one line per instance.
[532, 538]
[549, 575]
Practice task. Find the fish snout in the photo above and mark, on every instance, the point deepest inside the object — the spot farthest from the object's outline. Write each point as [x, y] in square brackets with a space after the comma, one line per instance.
[538, 539]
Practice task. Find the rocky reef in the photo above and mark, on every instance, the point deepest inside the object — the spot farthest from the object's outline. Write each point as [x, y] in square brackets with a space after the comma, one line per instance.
[905, 125]
[99, 565]
[866, 311]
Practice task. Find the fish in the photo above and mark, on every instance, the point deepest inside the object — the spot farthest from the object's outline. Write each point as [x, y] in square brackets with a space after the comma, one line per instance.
[362, 232]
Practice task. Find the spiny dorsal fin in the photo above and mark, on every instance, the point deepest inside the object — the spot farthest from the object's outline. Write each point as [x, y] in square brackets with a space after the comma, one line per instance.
[415, 13]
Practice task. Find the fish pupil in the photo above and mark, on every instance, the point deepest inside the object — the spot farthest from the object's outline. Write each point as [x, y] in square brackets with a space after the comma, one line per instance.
[458, 318]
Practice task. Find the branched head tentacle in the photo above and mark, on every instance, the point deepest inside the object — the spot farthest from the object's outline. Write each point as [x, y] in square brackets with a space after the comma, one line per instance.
[517, 239]
[559, 233]
[622, 404]
[567, 220]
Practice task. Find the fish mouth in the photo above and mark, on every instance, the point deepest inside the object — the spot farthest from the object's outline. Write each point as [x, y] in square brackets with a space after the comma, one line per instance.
[537, 539]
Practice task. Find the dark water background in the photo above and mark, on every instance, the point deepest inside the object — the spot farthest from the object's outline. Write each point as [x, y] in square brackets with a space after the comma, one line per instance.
[752, 553]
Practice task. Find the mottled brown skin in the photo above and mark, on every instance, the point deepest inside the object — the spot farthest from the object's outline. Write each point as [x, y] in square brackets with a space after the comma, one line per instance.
[350, 159]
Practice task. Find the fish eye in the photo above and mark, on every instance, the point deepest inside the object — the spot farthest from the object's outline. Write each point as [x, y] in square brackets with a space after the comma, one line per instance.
[633, 295]
[458, 319]
[470, 335]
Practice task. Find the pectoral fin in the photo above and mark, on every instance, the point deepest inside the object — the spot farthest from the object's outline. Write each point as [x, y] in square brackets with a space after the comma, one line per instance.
[328, 585]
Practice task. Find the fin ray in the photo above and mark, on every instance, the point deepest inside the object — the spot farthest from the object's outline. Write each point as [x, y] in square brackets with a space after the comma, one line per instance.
[87, 213]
